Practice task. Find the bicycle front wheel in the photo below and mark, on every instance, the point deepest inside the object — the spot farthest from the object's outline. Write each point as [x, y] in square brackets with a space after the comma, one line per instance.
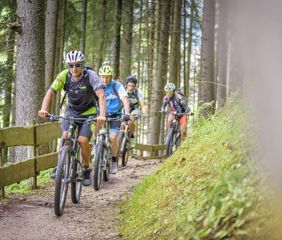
[97, 176]
[169, 142]
[77, 176]
[125, 153]
[62, 176]
[106, 169]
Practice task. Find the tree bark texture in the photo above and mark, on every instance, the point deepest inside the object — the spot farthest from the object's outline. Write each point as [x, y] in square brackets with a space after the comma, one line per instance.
[50, 40]
[206, 84]
[116, 49]
[161, 79]
[189, 47]
[30, 62]
[222, 54]
[174, 61]
[83, 25]
[127, 37]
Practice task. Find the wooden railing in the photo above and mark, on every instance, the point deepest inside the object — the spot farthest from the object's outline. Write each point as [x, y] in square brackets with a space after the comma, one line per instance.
[28, 136]
[35, 136]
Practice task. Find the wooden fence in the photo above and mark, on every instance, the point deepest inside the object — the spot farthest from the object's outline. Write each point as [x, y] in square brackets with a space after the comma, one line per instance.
[35, 136]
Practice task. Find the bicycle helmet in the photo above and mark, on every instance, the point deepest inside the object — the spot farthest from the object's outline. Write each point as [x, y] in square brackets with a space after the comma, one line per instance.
[131, 79]
[75, 56]
[169, 87]
[106, 70]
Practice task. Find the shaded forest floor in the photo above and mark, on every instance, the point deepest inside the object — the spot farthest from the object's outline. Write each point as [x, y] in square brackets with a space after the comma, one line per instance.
[95, 217]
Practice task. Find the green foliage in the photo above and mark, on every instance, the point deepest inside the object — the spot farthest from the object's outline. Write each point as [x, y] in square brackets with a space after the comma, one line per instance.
[208, 189]
[25, 187]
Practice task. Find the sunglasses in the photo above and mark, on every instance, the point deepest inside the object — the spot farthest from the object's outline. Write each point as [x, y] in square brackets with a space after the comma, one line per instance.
[77, 65]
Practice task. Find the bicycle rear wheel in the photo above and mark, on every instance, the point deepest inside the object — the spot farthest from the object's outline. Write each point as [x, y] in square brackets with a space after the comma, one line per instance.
[61, 186]
[98, 159]
[77, 177]
[169, 142]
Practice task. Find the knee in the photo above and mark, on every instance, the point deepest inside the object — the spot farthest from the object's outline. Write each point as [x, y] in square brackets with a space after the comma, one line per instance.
[83, 140]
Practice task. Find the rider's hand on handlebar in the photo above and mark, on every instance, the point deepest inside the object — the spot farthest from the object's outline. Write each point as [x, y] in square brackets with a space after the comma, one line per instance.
[101, 120]
[43, 113]
[126, 117]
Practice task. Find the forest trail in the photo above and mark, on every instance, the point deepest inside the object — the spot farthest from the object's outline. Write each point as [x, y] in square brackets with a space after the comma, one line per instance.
[95, 217]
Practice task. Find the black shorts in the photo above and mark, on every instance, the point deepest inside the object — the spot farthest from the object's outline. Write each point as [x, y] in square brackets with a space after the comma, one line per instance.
[115, 124]
[84, 129]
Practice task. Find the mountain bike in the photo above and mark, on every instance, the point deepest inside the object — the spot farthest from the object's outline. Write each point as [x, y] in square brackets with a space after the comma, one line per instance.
[172, 136]
[70, 166]
[102, 157]
[124, 141]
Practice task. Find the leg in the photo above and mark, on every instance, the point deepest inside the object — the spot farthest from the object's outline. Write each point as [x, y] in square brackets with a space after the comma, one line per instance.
[85, 150]
[85, 134]
[114, 143]
[114, 131]
[131, 125]
[183, 127]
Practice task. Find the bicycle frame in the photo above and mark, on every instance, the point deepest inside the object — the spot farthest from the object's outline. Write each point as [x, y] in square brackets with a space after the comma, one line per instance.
[72, 141]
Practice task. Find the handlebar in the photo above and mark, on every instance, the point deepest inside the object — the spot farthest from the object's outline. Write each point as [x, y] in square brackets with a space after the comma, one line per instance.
[89, 120]
[177, 114]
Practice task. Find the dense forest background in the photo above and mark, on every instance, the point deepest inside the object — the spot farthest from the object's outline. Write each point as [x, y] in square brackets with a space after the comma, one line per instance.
[209, 49]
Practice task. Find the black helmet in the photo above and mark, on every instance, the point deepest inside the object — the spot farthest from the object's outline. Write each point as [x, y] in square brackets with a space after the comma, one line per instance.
[131, 79]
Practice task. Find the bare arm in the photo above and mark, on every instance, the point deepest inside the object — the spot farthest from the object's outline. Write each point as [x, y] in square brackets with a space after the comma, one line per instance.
[126, 104]
[143, 107]
[46, 104]
[102, 101]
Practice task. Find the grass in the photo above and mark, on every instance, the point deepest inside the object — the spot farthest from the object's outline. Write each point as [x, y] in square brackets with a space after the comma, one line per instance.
[208, 189]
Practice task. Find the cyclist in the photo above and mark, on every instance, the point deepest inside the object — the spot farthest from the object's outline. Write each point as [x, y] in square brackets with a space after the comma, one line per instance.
[178, 108]
[81, 84]
[136, 100]
[116, 96]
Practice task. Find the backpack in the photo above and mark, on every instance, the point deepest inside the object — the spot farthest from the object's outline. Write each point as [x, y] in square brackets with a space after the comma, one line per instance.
[67, 86]
[181, 99]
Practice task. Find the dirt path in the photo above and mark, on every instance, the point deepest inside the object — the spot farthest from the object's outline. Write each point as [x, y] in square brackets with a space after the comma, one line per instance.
[95, 217]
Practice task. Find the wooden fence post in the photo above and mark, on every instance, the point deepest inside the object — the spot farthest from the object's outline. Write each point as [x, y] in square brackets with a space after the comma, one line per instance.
[34, 184]
[2, 192]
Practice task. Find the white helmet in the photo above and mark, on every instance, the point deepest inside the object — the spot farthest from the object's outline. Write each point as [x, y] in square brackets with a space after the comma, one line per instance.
[74, 56]
[169, 87]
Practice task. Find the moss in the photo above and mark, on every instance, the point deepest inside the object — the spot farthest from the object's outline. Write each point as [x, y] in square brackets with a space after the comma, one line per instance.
[205, 190]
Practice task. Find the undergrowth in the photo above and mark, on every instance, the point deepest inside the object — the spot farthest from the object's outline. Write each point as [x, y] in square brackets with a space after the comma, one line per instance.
[208, 189]
[25, 187]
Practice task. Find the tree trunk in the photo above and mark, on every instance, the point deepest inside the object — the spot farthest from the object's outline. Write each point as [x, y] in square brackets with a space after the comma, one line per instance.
[83, 25]
[189, 47]
[151, 50]
[30, 62]
[161, 79]
[184, 31]
[127, 36]
[60, 48]
[9, 79]
[50, 40]
[103, 34]
[174, 61]
[117, 38]
[140, 38]
[222, 55]
[206, 84]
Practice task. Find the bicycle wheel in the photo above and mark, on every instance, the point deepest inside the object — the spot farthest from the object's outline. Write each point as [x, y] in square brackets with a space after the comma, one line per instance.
[98, 159]
[61, 186]
[77, 177]
[106, 172]
[169, 142]
[125, 153]
[121, 138]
